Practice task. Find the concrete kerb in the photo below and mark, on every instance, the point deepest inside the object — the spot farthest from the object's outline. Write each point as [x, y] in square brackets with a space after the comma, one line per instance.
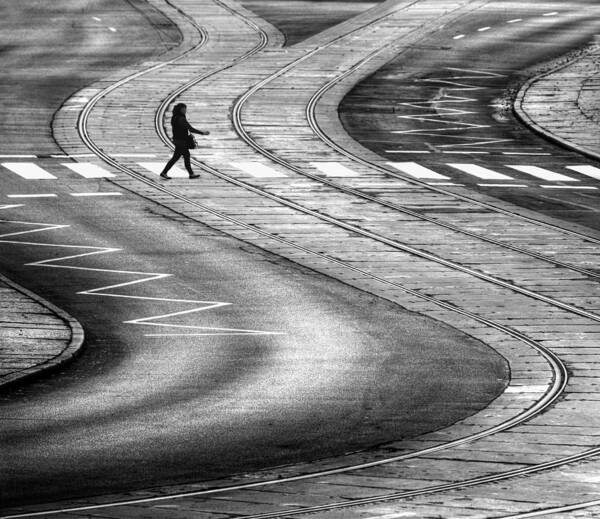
[527, 120]
[71, 349]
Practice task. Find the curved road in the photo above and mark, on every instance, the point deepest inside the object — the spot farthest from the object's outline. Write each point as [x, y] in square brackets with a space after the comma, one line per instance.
[204, 357]
[446, 106]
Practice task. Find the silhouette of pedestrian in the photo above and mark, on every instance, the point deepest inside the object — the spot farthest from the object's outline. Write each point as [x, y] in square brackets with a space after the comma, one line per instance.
[181, 139]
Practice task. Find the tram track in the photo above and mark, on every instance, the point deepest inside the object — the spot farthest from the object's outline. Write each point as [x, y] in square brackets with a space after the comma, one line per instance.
[557, 367]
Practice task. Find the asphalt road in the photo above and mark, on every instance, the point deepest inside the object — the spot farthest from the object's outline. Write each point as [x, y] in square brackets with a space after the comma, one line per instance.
[172, 385]
[447, 104]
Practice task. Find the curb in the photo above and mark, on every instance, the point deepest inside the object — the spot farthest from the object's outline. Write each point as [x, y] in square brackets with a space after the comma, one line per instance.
[67, 354]
[524, 117]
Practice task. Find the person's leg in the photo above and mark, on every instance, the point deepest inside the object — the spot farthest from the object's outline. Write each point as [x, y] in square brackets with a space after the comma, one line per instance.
[188, 164]
[172, 160]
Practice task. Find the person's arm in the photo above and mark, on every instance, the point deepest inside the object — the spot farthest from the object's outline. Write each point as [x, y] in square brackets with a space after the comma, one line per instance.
[194, 130]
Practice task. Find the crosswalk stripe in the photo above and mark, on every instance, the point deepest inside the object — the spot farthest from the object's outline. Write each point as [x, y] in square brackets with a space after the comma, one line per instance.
[416, 170]
[334, 169]
[480, 172]
[590, 171]
[258, 170]
[87, 170]
[28, 170]
[157, 167]
[542, 173]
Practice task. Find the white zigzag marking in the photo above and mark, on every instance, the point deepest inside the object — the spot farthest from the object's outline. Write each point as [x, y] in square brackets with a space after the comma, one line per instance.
[104, 291]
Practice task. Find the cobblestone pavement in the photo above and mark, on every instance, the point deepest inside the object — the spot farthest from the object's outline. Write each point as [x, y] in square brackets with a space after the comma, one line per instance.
[564, 104]
[525, 287]
[34, 335]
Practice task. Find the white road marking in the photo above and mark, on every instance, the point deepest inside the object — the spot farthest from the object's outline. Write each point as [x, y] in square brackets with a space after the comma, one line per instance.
[10, 206]
[443, 184]
[416, 170]
[334, 169]
[34, 195]
[483, 29]
[74, 156]
[569, 187]
[97, 19]
[112, 29]
[590, 171]
[524, 153]
[157, 167]
[18, 156]
[28, 170]
[257, 170]
[87, 170]
[516, 20]
[480, 172]
[455, 152]
[503, 185]
[553, 13]
[458, 37]
[109, 291]
[542, 173]
[407, 151]
[104, 193]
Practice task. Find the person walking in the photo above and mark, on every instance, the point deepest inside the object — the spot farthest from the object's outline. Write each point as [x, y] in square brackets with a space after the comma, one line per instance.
[181, 138]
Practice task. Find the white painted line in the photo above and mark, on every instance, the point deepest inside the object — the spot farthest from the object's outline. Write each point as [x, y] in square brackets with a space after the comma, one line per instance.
[407, 151]
[104, 193]
[97, 19]
[524, 153]
[28, 170]
[18, 156]
[553, 13]
[458, 37]
[416, 170]
[516, 20]
[334, 169]
[466, 152]
[112, 29]
[526, 389]
[443, 184]
[157, 167]
[569, 187]
[590, 171]
[87, 170]
[257, 170]
[480, 172]
[503, 185]
[542, 173]
[38, 195]
[74, 156]
[142, 155]
[483, 29]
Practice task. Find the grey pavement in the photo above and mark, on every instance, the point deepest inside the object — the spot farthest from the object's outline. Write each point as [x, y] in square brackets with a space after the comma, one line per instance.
[564, 103]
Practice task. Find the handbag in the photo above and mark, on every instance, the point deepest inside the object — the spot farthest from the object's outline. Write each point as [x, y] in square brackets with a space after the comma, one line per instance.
[191, 142]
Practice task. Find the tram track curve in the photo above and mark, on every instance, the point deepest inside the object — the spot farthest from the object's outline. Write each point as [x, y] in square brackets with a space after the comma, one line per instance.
[559, 371]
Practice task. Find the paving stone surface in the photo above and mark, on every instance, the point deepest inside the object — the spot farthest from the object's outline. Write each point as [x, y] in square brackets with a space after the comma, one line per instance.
[525, 287]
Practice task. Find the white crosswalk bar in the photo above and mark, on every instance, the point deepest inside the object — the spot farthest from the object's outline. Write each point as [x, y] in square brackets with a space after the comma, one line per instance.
[258, 170]
[544, 174]
[157, 167]
[416, 170]
[28, 170]
[480, 172]
[88, 170]
[590, 171]
[334, 169]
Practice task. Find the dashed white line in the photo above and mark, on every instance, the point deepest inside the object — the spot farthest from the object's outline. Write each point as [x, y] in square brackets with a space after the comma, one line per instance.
[18, 156]
[516, 20]
[104, 193]
[483, 29]
[466, 152]
[443, 184]
[97, 19]
[34, 195]
[569, 187]
[503, 185]
[112, 29]
[524, 153]
[458, 37]
[407, 151]
[553, 13]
